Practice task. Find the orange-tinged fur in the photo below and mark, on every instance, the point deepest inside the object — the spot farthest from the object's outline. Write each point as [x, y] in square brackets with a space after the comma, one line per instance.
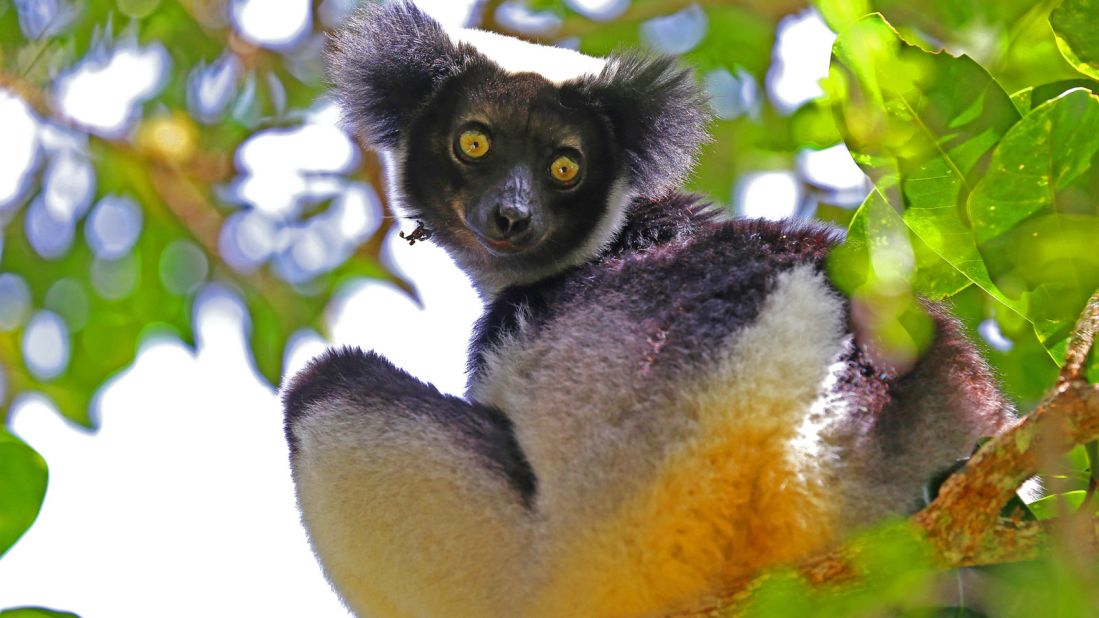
[736, 496]
[735, 505]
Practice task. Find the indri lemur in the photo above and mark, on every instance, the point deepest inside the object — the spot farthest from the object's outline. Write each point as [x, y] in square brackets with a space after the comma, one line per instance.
[660, 400]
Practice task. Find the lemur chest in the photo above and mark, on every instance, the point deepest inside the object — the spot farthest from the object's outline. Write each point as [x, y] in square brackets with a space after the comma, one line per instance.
[643, 351]
[661, 428]
[588, 356]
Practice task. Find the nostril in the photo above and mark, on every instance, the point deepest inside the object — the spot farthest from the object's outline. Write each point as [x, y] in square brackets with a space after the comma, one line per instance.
[511, 220]
[519, 225]
[503, 223]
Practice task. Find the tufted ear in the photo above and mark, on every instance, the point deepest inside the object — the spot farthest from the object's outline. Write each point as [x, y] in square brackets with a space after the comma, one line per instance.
[385, 63]
[658, 114]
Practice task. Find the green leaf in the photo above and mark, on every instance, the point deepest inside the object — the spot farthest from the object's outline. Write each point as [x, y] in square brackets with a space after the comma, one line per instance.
[23, 477]
[735, 38]
[875, 267]
[612, 37]
[1036, 237]
[893, 255]
[1029, 98]
[929, 118]
[35, 612]
[839, 14]
[1076, 25]
[1060, 504]
[11, 37]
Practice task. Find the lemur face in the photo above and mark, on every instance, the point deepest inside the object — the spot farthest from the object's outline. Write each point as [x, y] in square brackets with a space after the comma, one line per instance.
[510, 169]
[520, 158]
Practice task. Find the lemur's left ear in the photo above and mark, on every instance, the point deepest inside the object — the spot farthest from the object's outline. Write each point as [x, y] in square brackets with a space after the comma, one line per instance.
[658, 114]
[385, 63]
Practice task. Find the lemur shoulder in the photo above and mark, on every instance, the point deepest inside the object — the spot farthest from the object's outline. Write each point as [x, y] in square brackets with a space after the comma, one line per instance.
[660, 400]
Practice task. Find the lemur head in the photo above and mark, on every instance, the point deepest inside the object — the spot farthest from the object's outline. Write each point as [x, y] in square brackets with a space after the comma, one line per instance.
[520, 158]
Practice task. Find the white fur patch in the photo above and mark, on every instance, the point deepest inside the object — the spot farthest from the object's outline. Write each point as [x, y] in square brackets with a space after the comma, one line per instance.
[556, 64]
[405, 519]
[825, 411]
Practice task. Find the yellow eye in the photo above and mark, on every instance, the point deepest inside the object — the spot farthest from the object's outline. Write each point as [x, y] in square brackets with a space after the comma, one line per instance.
[564, 169]
[474, 144]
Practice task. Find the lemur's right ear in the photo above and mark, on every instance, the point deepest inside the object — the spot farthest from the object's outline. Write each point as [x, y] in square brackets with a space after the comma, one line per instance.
[386, 62]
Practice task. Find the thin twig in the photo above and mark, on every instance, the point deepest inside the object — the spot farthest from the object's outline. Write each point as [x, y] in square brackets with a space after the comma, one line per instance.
[1083, 338]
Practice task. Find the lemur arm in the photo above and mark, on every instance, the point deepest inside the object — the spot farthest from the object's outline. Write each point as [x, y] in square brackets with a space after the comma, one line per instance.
[406, 490]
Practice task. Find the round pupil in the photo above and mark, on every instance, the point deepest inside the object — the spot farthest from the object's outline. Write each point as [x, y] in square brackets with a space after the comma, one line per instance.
[474, 144]
[564, 169]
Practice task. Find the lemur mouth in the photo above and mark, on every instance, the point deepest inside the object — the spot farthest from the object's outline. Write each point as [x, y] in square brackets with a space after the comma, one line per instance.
[509, 246]
[505, 246]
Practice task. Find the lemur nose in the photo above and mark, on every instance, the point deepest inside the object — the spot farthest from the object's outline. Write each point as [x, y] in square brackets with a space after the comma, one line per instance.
[511, 219]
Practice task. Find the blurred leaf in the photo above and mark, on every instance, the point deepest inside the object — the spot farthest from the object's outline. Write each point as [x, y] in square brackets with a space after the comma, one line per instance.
[839, 14]
[1029, 98]
[881, 250]
[556, 6]
[735, 38]
[612, 37]
[35, 612]
[1039, 244]
[11, 37]
[875, 266]
[1058, 505]
[943, 18]
[23, 477]
[896, 568]
[1075, 24]
[930, 118]
[813, 125]
[1062, 583]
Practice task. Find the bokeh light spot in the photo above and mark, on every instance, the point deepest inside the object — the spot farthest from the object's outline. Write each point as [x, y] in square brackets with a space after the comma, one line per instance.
[15, 301]
[732, 95]
[113, 227]
[211, 88]
[68, 299]
[767, 195]
[47, 234]
[677, 33]
[46, 345]
[247, 240]
[600, 10]
[69, 185]
[170, 137]
[18, 148]
[272, 23]
[183, 267]
[115, 279]
[803, 45]
[103, 92]
[41, 18]
[989, 330]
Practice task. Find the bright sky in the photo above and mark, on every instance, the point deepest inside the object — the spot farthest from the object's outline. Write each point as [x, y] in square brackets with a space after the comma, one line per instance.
[181, 504]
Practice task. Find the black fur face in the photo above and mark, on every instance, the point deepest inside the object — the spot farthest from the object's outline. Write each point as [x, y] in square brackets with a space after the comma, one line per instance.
[511, 208]
[544, 174]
